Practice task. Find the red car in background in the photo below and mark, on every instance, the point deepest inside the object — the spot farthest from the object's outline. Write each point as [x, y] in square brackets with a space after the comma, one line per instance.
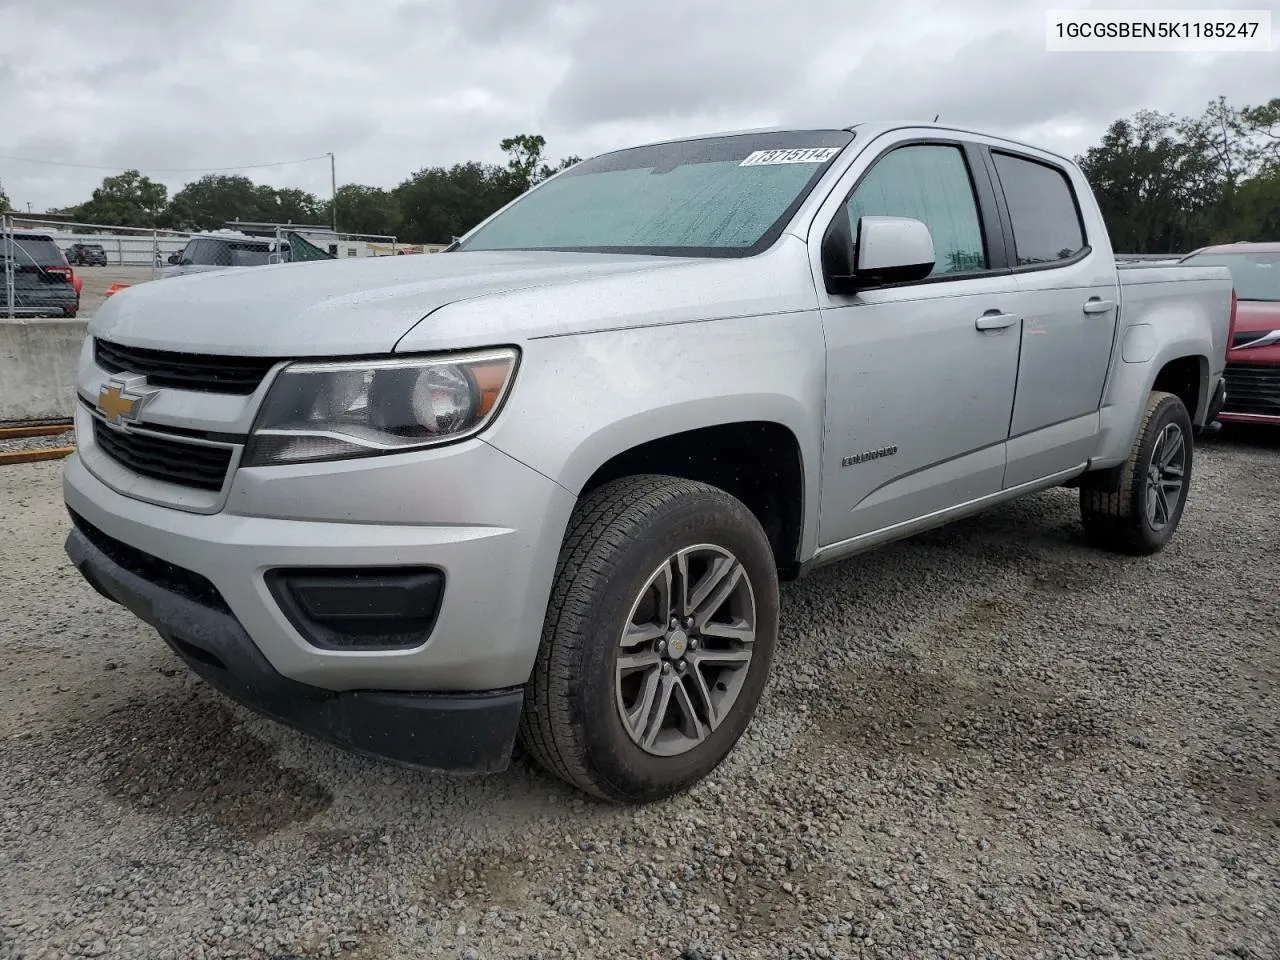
[1253, 359]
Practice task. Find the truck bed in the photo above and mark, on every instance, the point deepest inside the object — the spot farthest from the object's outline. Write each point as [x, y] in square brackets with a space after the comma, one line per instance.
[1167, 294]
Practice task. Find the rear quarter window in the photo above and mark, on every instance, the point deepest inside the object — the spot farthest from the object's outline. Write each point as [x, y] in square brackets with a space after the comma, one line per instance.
[1047, 228]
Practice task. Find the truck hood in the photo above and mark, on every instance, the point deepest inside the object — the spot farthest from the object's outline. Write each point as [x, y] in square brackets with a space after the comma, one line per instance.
[1253, 316]
[327, 308]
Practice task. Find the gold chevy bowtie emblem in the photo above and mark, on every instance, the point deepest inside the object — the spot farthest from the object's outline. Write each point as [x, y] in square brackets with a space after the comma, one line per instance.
[116, 405]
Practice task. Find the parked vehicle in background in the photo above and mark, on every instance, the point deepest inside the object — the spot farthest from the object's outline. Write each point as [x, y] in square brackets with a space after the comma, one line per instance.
[546, 484]
[223, 250]
[44, 285]
[87, 255]
[1253, 365]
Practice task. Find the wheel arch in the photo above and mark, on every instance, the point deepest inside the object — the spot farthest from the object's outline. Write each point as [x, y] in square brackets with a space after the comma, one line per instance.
[758, 461]
[1180, 367]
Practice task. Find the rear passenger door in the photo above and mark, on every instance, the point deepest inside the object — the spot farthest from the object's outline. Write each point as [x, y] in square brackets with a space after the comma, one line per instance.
[1068, 298]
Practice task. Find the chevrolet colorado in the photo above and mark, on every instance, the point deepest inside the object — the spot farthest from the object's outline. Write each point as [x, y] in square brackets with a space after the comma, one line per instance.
[545, 485]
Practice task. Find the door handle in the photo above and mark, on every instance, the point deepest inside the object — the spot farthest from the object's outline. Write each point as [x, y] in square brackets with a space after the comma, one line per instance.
[1098, 306]
[995, 321]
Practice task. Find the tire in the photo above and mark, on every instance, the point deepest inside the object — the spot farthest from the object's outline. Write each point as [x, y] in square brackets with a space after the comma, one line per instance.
[1131, 517]
[610, 573]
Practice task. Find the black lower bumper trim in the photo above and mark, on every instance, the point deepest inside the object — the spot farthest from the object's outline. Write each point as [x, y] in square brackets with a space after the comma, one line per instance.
[1218, 401]
[464, 732]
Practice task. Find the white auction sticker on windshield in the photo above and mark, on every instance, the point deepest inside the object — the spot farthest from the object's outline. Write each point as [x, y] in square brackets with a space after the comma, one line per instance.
[763, 158]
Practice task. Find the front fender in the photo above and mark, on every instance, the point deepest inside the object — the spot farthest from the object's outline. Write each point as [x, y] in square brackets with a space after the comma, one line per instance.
[581, 400]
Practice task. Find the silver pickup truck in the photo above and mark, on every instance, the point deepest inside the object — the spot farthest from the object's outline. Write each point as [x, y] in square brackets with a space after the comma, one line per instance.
[544, 485]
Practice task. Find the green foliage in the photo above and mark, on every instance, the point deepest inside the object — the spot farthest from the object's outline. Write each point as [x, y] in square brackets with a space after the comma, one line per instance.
[211, 201]
[214, 200]
[1169, 185]
[288, 205]
[128, 199]
[4, 200]
[1257, 209]
[525, 165]
[364, 209]
[438, 204]
[431, 206]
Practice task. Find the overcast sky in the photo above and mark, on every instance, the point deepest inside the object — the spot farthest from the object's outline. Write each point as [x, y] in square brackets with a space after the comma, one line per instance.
[391, 86]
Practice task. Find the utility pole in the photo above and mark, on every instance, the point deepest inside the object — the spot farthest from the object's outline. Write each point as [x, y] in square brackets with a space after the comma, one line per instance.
[333, 184]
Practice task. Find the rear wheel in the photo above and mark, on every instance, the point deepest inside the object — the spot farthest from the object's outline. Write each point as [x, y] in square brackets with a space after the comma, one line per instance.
[657, 642]
[1140, 514]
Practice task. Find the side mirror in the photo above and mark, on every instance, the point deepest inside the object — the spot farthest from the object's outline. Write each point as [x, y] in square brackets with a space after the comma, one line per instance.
[886, 250]
[174, 258]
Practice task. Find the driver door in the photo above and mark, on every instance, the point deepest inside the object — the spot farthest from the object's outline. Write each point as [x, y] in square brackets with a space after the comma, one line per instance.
[920, 375]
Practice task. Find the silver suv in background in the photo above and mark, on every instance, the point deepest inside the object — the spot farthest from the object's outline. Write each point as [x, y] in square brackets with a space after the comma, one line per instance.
[222, 250]
[546, 485]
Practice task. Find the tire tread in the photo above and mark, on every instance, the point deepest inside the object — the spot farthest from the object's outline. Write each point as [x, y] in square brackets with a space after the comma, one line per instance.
[1108, 512]
[552, 725]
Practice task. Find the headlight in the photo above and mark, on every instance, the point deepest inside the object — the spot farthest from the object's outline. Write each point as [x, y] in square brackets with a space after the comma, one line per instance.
[360, 408]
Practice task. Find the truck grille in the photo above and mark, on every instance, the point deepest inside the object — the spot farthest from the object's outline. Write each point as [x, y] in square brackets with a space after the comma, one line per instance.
[173, 461]
[1253, 388]
[186, 371]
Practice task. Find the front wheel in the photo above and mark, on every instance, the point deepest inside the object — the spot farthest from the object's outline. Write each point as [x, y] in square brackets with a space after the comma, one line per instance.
[1140, 514]
[657, 642]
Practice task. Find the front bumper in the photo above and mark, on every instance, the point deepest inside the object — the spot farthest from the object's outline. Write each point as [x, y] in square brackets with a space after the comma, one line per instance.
[471, 732]
[1253, 393]
[491, 525]
[25, 306]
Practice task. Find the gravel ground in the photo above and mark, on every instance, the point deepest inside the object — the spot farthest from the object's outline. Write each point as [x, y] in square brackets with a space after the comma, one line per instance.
[97, 280]
[989, 741]
[65, 439]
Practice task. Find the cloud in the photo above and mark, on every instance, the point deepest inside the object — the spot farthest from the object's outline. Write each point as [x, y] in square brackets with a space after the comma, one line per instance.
[391, 86]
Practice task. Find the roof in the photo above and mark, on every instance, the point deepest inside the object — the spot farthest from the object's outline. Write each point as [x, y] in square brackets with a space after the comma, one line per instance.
[868, 130]
[230, 235]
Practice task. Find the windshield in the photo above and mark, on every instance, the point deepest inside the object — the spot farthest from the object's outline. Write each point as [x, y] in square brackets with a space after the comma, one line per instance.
[722, 196]
[1256, 275]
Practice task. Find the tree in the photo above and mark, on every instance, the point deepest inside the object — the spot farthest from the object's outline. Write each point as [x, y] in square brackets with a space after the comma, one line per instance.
[1154, 184]
[1257, 203]
[288, 205]
[438, 204]
[525, 165]
[128, 199]
[4, 200]
[214, 200]
[1262, 125]
[364, 209]
[211, 201]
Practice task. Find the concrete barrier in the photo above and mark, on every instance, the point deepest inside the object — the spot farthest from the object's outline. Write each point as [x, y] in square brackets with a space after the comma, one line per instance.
[38, 360]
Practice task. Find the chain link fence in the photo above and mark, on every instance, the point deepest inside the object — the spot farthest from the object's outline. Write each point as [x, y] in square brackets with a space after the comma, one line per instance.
[56, 268]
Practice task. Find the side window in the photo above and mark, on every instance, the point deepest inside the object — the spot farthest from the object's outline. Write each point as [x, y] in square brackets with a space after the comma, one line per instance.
[1046, 220]
[210, 253]
[930, 183]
